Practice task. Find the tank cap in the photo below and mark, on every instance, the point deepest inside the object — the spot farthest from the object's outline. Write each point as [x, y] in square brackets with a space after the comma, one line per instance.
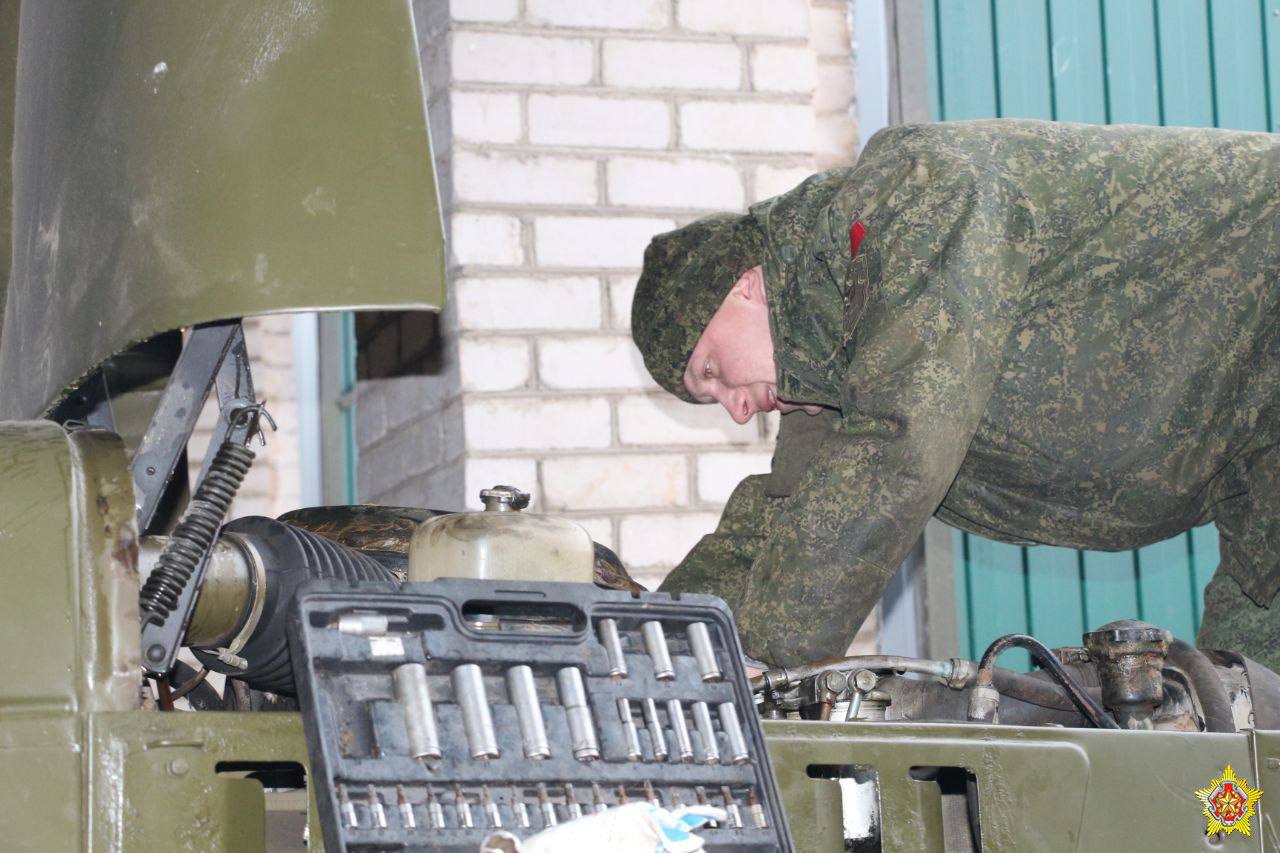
[503, 499]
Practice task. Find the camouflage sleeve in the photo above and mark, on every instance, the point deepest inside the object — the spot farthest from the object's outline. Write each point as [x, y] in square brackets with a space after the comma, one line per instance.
[921, 365]
[720, 562]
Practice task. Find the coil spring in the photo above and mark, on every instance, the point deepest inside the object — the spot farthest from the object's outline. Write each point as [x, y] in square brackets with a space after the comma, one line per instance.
[193, 536]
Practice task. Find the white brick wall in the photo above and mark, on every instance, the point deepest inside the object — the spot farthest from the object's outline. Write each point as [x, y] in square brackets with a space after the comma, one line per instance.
[569, 133]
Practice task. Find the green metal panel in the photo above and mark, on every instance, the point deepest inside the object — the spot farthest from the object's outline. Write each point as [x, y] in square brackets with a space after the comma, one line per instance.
[176, 164]
[1174, 62]
[1079, 84]
[1129, 45]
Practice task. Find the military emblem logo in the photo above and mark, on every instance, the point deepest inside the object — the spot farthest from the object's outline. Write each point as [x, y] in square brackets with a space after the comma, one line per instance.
[1228, 803]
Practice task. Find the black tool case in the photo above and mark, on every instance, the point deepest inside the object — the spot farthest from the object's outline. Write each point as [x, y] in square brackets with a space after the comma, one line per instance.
[358, 737]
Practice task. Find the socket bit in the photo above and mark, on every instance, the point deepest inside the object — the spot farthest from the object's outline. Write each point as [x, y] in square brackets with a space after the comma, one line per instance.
[490, 808]
[435, 811]
[612, 643]
[703, 652]
[376, 809]
[547, 807]
[573, 696]
[655, 643]
[738, 752]
[597, 799]
[524, 696]
[622, 795]
[519, 808]
[731, 806]
[463, 808]
[571, 802]
[407, 820]
[419, 714]
[651, 795]
[477, 721]
[629, 732]
[656, 734]
[348, 808]
[702, 721]
[756, 809]
[675, 714]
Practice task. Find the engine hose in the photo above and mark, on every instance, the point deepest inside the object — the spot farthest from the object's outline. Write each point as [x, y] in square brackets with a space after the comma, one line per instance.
[1092, 711]
[1214, 701]
[194, 535]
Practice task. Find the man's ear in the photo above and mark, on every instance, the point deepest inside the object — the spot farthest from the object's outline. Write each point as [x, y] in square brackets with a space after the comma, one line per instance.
[750, 285]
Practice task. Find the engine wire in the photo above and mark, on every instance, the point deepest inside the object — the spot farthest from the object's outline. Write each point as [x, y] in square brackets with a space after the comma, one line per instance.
[1092, 711]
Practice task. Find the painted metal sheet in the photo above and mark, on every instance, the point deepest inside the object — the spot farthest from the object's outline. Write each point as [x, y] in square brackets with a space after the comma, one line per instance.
[181, 162]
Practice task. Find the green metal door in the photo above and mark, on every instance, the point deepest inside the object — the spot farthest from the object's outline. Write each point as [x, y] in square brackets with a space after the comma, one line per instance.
[1204, 63]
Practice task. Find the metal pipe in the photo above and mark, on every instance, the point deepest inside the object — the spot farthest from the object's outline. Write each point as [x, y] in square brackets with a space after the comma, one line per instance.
[656, 734]
[655, 643]
[573, 696]
[706, 732]
[738, 752]
[524, 696]
[675, 713]
[629, 732]
[782, 677]
[608, 629]
[1041, 654]
[410, 682]
[477, 720]
[703, 652]
[227, 594]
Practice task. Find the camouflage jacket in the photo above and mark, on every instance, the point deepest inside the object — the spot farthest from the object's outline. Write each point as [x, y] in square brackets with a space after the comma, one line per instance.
[1049, 333]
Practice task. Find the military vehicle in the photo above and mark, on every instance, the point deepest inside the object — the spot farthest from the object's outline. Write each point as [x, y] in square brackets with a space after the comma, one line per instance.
[177, 167]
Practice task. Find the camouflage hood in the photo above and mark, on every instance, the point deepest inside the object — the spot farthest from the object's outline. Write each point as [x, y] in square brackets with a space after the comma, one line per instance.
[687, 274]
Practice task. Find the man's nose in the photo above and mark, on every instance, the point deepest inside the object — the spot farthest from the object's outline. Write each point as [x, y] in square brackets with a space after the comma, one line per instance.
[737, 404]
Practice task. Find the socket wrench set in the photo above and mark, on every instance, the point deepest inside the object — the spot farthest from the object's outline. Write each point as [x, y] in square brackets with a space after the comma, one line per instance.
[438, 712]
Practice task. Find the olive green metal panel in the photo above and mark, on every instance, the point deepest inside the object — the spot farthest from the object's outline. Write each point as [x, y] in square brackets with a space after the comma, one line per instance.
[155, 782]
[68, 552]
[1044, 789]
[178, 162]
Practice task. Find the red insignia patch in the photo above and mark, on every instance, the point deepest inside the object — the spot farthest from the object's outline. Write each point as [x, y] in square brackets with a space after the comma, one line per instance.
[856, 233]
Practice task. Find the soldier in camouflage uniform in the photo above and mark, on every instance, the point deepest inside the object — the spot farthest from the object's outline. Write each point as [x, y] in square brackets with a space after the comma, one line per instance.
[1040, 333]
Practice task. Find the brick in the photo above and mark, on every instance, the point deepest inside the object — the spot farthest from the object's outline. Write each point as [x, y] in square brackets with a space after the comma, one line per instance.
[485, 116]
[668, 420]
[539, 423]
[728, 126]
[600, 527]
[604, 122]
[409, 397]
[523, 179]
[720, 473]
[775, 180]
[526, 60]
[693, 184]
[776, 18]
[371, 413]
[591, 362]
[601, 14]
[493, 364]
[595, 241]
[652, 64]
[524, 303]
[622, 290]
[614, 481]
[485, 238]
[484, 472]
[836, 141]
[661, 540]
[834, 91]
[829, 32]
[783, 68]
[407, 451]
[484, 10]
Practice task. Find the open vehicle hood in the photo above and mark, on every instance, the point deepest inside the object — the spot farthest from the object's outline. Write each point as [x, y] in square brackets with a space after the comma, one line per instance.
[178, 162]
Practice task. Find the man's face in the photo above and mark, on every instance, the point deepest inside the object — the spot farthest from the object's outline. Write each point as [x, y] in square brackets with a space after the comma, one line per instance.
[732, 363]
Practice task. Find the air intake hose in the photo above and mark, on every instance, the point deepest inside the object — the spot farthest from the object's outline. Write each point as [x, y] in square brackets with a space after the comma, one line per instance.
[282, 558]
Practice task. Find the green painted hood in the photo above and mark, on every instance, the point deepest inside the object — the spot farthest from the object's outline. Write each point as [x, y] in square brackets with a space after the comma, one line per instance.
[177, 162]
